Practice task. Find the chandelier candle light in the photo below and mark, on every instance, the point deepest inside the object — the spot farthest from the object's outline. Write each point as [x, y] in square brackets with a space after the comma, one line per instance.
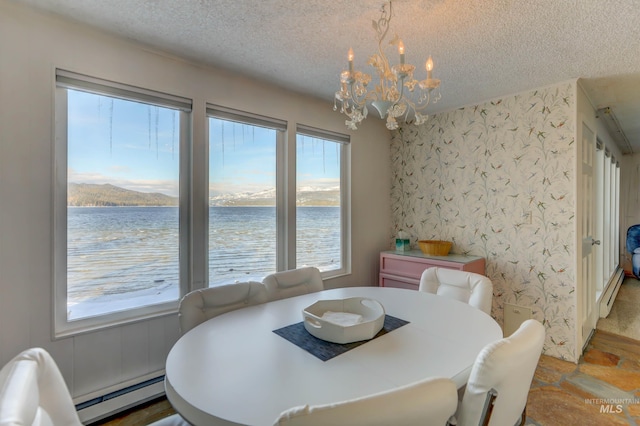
[388, 97]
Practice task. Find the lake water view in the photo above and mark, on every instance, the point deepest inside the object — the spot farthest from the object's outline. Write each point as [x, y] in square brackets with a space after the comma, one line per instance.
[121, 257]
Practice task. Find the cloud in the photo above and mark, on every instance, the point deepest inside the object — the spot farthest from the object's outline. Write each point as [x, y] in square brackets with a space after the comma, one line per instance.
[120, 169]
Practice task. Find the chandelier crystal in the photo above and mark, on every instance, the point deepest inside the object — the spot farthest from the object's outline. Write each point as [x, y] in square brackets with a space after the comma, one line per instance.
[389, 97]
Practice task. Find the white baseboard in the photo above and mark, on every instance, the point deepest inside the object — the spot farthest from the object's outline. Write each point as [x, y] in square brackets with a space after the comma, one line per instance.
[114, 402]
[610, 293]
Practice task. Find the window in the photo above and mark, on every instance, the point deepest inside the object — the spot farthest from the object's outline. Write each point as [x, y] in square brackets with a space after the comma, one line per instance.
[321, 201]
[131, 234]
[260, 220]
[243, 232]
[118, 220]
[607, 222]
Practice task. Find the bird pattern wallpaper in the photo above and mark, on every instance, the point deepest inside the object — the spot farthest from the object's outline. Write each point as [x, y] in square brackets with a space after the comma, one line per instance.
[498, 179]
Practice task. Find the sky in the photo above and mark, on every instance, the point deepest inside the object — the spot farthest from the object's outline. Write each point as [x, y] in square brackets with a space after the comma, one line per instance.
[127, 144]
[135, 146]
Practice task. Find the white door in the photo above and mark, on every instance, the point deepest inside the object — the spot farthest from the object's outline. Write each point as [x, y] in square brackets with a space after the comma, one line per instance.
[587, 226]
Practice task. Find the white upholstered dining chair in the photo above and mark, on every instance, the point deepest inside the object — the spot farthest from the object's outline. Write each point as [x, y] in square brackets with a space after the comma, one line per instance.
[498, 387]
[468, 287]
[430, 402]
[200, 305]
[294, 282]
[33, 392]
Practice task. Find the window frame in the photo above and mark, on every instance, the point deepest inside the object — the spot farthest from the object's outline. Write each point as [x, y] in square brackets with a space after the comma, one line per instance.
[193, 195]
[281, 129]
[607, 219]
[62, 327]
[345, 194]
[286, 166]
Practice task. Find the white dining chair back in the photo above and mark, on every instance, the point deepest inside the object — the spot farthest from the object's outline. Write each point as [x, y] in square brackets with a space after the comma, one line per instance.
[430, 402]
[200, 305]
[33, 392]
[507, 367]
[468, 287]
[295, 282]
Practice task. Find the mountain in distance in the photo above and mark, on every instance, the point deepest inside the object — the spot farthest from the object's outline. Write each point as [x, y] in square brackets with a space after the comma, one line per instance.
[325, 198]
[305, 198]
[93, 195]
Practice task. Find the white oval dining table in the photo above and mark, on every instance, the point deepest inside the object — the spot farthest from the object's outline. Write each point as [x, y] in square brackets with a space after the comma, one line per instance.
[234, 370]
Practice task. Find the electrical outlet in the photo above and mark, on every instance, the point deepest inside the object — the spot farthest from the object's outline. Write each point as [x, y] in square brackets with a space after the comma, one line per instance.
[514, 315]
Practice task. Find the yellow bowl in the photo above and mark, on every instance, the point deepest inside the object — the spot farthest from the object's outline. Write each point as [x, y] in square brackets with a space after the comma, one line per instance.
[435, 247]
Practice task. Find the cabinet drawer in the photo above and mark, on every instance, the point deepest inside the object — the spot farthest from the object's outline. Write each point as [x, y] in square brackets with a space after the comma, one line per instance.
[387, 280]
[404, 270]
[405, 267]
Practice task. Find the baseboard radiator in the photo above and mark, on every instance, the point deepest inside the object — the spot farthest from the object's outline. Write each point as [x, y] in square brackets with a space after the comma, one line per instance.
[611, 292]
[99, 407]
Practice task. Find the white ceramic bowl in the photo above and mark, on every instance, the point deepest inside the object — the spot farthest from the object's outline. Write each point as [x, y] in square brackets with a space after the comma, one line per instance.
[372, 319]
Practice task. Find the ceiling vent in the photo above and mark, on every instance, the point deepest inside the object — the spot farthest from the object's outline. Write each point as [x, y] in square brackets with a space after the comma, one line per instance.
[609, 118]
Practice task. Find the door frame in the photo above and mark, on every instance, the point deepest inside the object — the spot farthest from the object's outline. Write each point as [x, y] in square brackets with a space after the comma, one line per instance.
[586, 214]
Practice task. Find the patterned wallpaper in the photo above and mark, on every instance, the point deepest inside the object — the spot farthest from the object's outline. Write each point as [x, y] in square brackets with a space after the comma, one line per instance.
[498, 179]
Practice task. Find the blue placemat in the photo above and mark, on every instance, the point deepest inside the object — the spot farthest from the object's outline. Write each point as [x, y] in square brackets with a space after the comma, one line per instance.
[321, 349]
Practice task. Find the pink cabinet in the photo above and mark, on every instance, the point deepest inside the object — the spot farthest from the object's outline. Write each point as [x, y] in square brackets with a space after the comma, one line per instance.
[403, 270]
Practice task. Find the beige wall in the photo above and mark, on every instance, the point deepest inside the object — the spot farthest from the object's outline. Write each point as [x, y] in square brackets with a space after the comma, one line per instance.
[32, 45]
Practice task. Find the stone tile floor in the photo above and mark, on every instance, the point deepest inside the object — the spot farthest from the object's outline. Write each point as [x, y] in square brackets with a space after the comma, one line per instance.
[602, 389]
[144, 414]
[624, 318]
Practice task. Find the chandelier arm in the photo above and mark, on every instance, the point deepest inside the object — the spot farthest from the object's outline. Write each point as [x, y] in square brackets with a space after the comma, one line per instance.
[382, 70]
[353, 97]
[410, 104]
[384, 23]
[360, 102]
[401, 90]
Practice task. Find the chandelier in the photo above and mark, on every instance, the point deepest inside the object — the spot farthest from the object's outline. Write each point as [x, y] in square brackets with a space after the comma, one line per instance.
[389, 96]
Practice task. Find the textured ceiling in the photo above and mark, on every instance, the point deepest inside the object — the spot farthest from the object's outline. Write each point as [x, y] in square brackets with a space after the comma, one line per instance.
[482, 49]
